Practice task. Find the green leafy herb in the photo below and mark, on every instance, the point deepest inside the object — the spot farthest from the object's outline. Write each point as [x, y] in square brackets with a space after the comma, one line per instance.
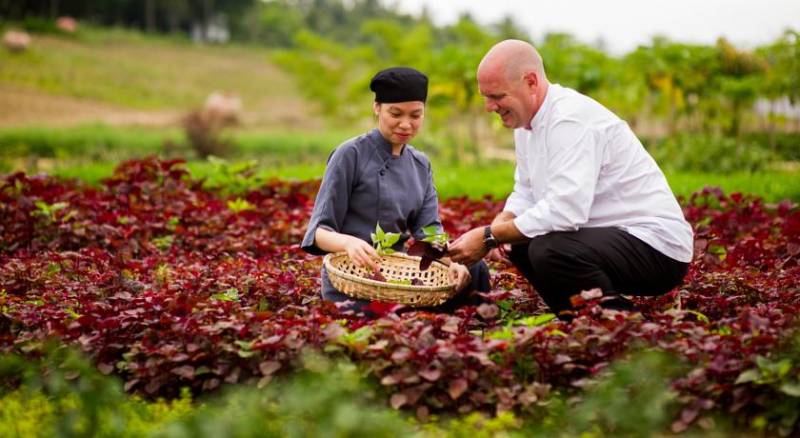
[433, 236]
[383, 241]
[239, 205]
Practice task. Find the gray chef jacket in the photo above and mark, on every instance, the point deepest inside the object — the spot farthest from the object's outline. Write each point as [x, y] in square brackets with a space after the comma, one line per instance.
[364, 184]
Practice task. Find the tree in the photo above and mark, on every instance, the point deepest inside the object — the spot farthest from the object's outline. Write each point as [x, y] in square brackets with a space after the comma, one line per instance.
[783, 74]
[678, 76]
[741, 72]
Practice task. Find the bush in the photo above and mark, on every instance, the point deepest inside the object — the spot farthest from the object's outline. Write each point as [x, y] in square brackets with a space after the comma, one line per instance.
[62, 395]
[710, 153]
[40, 25]
[323, 399]
[204, 127]
[785, 144]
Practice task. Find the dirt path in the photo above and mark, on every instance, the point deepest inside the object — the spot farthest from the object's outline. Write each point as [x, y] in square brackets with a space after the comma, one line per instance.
[20, 107]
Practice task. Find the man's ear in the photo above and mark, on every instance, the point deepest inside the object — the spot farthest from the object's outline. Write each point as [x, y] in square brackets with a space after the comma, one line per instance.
[376, 108]
[531, 79]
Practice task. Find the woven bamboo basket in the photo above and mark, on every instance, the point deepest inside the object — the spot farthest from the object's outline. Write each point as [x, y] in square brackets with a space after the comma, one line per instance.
[348, 278]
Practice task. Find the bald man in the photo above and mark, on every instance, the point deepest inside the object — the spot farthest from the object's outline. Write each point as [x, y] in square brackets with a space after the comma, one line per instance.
[590, 207]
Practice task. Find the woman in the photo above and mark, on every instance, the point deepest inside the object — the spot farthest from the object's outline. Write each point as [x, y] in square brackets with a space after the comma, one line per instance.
[379, 178]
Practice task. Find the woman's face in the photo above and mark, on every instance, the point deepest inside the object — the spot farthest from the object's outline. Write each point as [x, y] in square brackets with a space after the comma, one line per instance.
[399, 122]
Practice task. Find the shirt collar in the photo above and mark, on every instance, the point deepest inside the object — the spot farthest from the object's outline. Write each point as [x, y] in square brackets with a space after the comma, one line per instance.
[538, 118]
[382, 144]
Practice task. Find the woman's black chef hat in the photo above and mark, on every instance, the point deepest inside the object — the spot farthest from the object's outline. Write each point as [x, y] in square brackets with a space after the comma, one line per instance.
[399, 84]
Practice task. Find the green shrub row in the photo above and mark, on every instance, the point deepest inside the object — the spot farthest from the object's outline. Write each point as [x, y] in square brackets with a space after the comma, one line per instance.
[90, 143]
[63, 396]
[708, 153]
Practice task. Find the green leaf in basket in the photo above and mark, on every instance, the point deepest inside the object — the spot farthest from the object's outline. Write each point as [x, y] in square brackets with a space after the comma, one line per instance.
[383, 241]
[430, 230]
[432, 235]
[392, 238]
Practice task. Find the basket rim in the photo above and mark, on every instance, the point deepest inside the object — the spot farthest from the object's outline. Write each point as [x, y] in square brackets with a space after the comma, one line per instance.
[327, 262]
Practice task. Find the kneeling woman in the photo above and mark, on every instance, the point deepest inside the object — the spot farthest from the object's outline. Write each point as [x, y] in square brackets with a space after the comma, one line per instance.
[378, 178]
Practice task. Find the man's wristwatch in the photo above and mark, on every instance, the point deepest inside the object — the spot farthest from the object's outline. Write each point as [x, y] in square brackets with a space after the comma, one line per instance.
[489, 241]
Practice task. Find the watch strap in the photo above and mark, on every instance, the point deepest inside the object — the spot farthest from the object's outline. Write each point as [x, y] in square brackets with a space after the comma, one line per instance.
[488, 238]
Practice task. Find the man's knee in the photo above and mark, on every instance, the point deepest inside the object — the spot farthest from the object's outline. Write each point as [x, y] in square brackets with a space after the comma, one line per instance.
[541, 252]
[534, 255]
[519, 255]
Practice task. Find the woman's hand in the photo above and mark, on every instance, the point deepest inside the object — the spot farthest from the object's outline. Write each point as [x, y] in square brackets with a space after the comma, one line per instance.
[362, 253]
[499, 254]
[460, 275]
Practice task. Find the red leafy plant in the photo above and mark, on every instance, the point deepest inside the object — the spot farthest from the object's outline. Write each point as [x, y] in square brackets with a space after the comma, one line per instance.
[168, 284]
[432, 247]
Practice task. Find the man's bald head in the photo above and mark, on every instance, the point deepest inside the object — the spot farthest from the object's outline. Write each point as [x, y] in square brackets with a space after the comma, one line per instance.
[512, 82]
[511, 58]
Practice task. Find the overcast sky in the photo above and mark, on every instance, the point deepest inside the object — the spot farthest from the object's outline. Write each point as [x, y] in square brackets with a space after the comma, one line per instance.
[625, 24]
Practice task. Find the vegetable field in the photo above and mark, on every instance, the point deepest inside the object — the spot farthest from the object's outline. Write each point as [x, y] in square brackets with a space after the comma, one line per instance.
[173, 286]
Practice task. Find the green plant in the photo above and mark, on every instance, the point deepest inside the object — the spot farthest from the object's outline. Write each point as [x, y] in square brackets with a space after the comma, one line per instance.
[164, 242]
[239, 205]
[630, 398]
[63, 395]
[432, 235]
[232, 177]
[711, 153]
[782, 374]
[49, 211]
[325, 398]
[383, 241]
[230, 294]
[476, 425]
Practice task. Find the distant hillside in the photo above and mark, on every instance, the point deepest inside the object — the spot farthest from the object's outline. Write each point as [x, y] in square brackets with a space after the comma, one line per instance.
[124, 77]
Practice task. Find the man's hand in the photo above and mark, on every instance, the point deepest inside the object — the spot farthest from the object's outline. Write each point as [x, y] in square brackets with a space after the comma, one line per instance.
[468, 248]
[460, 275]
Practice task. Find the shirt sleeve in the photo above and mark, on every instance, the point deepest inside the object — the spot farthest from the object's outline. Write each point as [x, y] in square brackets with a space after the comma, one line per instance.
[520, 198]
[331, 203]
[429, 214]
[574, 162]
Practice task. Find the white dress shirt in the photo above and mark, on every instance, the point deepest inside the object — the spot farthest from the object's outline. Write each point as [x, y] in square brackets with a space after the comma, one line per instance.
[581, 166]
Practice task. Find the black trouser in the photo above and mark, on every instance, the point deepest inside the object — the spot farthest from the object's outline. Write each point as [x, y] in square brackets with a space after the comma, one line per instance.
[562, 264]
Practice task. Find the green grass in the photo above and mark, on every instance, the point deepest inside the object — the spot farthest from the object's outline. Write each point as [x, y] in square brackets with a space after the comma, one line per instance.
[88, 151]
[135, 71]
[40, 148]
[773, 186]
[496, 180]
[291, 147]
[87, 142]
